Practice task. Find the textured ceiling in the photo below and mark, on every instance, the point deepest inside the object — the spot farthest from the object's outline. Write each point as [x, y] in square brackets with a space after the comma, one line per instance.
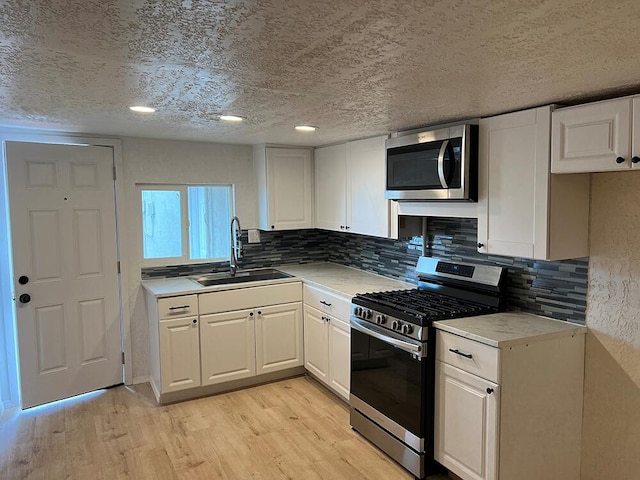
[355, 68]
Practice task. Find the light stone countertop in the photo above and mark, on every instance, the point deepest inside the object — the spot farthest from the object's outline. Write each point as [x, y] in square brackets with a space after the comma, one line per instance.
[343, 280]
[174, 286]
[509, 328]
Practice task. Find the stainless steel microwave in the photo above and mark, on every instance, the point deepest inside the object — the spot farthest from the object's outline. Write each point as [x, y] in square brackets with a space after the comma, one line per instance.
[433, 165]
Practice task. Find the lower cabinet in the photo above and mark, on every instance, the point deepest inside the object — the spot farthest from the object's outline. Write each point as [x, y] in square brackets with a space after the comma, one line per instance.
[509, 412]
[212, 338]
[467, 425]
[227, 348]
[179, 354]
[244, 343]
[327, 344]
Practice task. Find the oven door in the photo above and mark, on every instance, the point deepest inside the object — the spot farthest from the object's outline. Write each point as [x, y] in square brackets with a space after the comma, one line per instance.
[390, 376]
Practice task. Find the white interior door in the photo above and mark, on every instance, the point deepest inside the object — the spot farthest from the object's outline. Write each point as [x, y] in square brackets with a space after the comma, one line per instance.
[63, 232]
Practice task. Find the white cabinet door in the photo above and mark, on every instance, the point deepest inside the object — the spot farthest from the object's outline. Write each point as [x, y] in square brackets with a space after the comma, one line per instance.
[339, 357]
[367, 209]
[592, 138]
[227, 346]
[330, 187]
[289, 189]
[316, 341]
[466, 434]
[635, 134]
[179, 354]
[279, 343]
[513, 174]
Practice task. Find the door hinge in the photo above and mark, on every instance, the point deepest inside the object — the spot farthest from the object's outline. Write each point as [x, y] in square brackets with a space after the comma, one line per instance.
[118, 267]
[114, 172]
[123, 358]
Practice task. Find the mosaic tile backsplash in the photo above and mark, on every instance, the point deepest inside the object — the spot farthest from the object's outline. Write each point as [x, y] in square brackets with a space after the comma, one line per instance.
[555, 289]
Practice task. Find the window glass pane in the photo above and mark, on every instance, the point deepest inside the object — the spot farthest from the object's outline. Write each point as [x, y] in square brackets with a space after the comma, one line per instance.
[209, 220]
[161, 224]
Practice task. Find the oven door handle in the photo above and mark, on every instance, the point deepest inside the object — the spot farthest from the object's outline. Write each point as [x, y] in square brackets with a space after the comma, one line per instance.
[443, 150]
[401, 344]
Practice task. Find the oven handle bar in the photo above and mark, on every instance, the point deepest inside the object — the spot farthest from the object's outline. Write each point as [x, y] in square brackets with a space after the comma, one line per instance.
[401, 344]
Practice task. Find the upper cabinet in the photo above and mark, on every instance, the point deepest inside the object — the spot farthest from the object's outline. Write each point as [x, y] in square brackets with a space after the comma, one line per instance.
[350, 185]
[523, 211]
[285, 191]
[597, 137]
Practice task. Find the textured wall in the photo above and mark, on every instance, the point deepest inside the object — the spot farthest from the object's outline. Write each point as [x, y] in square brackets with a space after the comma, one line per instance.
[611, 437]
[162, 161]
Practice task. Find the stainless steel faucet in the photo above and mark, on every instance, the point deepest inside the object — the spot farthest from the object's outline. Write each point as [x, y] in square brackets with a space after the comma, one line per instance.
[236, 245]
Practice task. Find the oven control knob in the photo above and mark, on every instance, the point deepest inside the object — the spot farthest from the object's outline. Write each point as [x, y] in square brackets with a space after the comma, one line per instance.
[357, 311]
[407, 329]
[367, 314]
[395, 325]
[381, 319]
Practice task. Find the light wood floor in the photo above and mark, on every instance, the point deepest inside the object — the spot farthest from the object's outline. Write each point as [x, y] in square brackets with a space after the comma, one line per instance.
[292, 429]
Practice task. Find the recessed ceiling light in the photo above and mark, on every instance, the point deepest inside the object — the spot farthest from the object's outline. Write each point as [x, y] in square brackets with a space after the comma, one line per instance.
[142, 109]
[231, 118]
[306, 128]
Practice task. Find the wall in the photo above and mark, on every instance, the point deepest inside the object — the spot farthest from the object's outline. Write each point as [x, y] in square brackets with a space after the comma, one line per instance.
[611, 427]
[163, 161]
[555, 289]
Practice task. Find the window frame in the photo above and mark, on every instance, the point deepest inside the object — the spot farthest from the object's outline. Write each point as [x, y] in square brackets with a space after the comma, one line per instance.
[184, 218]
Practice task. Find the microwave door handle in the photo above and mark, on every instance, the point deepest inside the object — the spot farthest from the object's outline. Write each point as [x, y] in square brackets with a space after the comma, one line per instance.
[443, 151]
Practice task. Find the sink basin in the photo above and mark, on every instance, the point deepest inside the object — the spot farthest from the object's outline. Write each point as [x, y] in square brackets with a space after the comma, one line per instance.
[240, 277]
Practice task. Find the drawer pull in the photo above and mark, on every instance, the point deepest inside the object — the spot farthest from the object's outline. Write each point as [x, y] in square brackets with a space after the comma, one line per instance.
[489, 391]
[181, 307]
[325, 303]
[458, 352]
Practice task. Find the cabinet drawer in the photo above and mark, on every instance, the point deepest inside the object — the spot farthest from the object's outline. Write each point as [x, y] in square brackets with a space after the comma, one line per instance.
[252, 297]
[484, 361]
[182, 306]
[328, 302]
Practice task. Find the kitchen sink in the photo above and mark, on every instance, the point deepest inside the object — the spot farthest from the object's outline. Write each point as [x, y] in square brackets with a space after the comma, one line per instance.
[240, 277]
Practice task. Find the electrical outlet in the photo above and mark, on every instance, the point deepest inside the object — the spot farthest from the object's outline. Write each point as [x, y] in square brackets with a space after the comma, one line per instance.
[254, 236]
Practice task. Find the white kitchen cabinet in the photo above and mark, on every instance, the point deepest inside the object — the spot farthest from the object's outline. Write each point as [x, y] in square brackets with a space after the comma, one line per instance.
[174, 343]
[523, 210]
[179, 354]
[227, 346]
[330, 179]
[512, 412]
[285, 191]
[467, 422]
[350, 184]
[250, 331]
[279, 339]
[339, 356]
[327, 338]
[316, 343]
[597, 137]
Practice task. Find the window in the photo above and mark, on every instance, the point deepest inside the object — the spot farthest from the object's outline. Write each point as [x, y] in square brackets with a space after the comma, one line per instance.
[185, 223]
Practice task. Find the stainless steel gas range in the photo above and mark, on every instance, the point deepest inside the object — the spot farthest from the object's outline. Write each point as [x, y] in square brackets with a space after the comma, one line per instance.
[393, 354]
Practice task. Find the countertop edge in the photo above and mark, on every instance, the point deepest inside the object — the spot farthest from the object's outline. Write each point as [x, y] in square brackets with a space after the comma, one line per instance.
[526, 338]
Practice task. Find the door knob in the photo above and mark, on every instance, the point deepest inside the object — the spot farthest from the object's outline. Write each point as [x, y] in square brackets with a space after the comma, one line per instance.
[24, 298]
[23, 280]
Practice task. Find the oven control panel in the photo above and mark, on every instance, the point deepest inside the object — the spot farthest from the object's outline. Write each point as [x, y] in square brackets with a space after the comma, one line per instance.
[390, 323]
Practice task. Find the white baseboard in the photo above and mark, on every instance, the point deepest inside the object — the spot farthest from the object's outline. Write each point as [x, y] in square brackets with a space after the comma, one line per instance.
[141, 379]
